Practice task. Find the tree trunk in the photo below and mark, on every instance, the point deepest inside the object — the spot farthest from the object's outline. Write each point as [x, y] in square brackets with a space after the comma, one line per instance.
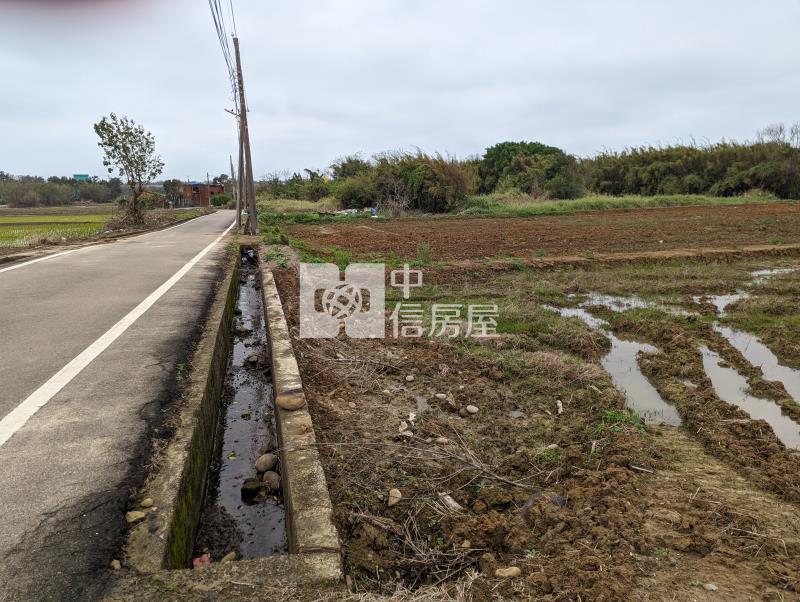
[135, 212]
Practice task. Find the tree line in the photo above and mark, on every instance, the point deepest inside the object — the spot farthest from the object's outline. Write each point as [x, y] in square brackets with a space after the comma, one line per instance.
[397, 181]
[35, 191]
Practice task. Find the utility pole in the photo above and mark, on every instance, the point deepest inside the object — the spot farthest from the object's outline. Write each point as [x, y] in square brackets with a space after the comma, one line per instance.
[249, 185]
[242, 185]
[235, 185]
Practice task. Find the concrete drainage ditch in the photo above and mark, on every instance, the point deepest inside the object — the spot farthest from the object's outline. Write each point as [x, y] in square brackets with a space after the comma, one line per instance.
[207, 498]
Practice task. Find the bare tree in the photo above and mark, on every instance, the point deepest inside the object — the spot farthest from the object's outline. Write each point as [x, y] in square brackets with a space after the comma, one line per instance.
[397, 200]
[775, 132]
[794, 135]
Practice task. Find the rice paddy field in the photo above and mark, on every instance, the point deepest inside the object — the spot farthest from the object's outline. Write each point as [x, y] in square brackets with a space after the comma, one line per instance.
[25, 228]
[29, 228]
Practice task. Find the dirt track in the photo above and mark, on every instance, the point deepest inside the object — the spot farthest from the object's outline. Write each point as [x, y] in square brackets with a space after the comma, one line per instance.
[657, 229]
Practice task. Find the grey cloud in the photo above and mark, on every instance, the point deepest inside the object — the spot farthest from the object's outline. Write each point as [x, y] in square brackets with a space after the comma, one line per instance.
[330, 77]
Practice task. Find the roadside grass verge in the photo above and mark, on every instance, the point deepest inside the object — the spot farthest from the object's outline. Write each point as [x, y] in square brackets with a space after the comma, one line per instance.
[505, 205]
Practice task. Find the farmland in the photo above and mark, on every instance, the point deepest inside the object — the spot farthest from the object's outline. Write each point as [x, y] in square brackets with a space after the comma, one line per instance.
[28, 228]
[667, 472]
[452, 239]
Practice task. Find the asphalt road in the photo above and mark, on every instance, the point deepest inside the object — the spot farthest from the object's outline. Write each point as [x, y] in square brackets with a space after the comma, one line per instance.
[79, 402]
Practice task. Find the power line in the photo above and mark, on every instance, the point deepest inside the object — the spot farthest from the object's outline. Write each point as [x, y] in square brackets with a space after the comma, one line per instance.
[222, 34]
[233, 18]
[246, 188]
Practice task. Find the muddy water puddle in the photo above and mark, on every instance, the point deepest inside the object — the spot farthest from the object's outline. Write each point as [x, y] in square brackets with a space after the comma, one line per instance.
[722, 302]
[749, 345]
[732, 387]
[236, 516]
[760, 356]
[623, 367]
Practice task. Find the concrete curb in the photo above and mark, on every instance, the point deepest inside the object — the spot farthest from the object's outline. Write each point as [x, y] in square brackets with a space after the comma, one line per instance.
[162, 544]
[166, 537]
[206, 583]
[309, 509]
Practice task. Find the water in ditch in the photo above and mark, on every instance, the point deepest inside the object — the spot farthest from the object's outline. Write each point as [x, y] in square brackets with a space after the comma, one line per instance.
[239, 515]
[622, 365]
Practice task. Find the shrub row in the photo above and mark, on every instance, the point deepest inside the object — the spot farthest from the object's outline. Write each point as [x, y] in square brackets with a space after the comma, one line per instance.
[724, 169]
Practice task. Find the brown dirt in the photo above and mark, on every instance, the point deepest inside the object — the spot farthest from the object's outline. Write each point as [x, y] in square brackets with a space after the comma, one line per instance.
[615, 231]
[560, 497]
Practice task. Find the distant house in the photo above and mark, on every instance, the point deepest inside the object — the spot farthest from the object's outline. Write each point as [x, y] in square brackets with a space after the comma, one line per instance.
[197, 194]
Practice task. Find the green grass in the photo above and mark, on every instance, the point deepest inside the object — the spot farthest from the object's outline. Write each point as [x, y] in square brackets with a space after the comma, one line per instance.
[289, 211]
[279, 257]
[15, 220]
[66, 210]
[500, 205]
[29, 235]
[326, 205]
[617, 421]
[424, 255]
[23, 228]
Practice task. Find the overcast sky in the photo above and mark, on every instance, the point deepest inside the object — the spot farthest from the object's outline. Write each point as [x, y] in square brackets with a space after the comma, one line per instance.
[327, 78]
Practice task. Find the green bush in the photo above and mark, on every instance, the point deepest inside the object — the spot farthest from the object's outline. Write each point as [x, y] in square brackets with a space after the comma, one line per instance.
[357, 192]
[723, 169]
[532, 167]
[349, 166]
[221, 200]
[432, 183]
[311, 187]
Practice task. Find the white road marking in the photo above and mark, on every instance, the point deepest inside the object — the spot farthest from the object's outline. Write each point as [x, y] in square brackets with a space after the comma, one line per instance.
[20, 415]
[37, 260]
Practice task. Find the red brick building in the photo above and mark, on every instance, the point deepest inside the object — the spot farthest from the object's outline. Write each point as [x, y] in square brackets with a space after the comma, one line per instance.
[197, 194]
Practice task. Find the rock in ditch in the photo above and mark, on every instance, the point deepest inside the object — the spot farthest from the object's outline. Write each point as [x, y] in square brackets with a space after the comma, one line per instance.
[134, 516]
[253, 359]
[116, 565]
[266, 462]
[147, 502]
[250, 488]
[508, 572]
[229, 557]
[272, 481]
